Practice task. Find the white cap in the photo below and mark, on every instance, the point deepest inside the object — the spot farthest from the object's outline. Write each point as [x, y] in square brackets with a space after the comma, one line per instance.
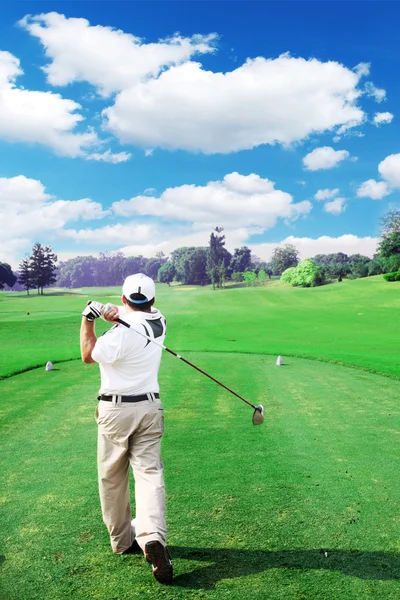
[139, 284]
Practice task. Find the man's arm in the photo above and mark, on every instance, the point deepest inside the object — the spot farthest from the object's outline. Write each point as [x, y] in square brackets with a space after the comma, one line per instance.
[88, 340]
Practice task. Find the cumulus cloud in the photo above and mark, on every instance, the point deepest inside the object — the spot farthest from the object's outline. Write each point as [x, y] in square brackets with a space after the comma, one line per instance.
[309, 247]
[21, 193]
[373, 189]
[164, 99]
[109, 156]
[382, 117]
[389, 168]
[108, 58]
[190, 108]
[335, 207]
[39, 117]
[27, 209]
[113, 234]
[326, 194]
[237, 200]
[324, 158]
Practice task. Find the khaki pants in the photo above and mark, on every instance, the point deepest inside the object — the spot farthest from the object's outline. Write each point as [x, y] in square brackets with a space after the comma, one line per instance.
[129, 434]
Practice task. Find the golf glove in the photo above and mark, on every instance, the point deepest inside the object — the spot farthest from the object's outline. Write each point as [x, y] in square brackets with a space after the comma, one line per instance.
[93, 310]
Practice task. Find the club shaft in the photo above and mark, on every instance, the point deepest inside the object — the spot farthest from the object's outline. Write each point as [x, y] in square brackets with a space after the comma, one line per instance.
[187, 362]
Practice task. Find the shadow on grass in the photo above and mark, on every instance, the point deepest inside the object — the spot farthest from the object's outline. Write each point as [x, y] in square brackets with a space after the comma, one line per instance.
[224, 563]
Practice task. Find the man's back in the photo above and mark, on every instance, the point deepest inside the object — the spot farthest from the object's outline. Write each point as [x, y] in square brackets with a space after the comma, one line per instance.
[129, 362]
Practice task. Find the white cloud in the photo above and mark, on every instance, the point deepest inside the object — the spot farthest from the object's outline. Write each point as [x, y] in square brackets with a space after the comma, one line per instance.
[373, 189]
[382, 117]
[12, 251]
[113, 234]
[148, 152]
[39, 117]
[237, 200]
[109, 156]
[324, 158]
[335, 207]
[27, 210]
[374, 92]
[108, 58]
[21, 193]
[189, 108]
[363, 69]
[326, 194]
[389, 168]
[309, 247]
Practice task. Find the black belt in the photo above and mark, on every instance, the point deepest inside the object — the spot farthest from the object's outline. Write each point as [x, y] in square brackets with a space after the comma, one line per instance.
[139, 398]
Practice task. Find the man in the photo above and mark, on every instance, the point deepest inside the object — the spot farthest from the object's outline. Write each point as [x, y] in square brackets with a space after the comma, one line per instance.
[130, 422]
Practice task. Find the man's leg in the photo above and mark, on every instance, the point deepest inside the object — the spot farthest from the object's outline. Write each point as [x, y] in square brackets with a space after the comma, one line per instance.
[113, 472]
[148, 473]
[150, 491]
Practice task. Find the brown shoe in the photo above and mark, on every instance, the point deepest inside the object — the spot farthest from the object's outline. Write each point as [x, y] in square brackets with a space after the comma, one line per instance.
[158, 556]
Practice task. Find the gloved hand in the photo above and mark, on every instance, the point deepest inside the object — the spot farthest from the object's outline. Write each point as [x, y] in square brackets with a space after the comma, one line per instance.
[93, 310]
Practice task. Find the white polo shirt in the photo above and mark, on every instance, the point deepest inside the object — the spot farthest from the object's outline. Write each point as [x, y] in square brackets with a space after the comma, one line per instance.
[128, 362]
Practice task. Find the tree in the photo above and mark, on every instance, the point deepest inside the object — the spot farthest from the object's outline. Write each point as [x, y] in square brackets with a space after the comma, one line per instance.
[262, 276]
[42, 266]
[390, 222]
[190, 265]
[389, 244]
[392, 264]
[153, 265]
[7, 277]
[77, 272]
[241, 260]
[375, 267]
[215, 257]
[250, 278]
[358, 266]
[283, 258]
[25, 275]
[335, 266]
[166, 273]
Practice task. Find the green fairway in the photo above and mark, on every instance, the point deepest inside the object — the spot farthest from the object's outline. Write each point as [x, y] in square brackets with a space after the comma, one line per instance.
[305, 506]
[354, 322]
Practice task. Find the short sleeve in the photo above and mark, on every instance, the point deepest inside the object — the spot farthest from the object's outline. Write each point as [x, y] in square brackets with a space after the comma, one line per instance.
[109, 347]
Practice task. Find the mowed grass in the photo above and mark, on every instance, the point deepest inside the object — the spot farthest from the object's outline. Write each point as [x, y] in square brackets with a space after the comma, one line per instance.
[305, 506]
[251, 510]
[354, 322]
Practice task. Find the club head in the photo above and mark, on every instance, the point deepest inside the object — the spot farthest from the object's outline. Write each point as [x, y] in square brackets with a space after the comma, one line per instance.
[258, 415]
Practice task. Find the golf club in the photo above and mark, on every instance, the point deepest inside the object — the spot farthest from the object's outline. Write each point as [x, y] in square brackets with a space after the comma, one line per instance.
[258, 415]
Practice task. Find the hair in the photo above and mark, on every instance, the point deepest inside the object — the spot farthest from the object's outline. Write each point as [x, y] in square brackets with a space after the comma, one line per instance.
[143, 306]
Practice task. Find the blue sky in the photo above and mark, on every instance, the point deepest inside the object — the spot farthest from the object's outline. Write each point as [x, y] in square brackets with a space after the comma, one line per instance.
[140, 126]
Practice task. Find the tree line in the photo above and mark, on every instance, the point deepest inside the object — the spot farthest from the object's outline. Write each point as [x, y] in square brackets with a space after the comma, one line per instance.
[204, 265]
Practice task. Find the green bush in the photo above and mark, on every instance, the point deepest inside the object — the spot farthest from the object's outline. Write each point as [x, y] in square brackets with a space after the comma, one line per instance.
[288, 275]
[237, 276]
[392, 276]
[306, 274]
[250, 278]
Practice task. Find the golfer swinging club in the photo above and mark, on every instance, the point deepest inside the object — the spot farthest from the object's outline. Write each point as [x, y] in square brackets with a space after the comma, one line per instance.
[130, 422]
